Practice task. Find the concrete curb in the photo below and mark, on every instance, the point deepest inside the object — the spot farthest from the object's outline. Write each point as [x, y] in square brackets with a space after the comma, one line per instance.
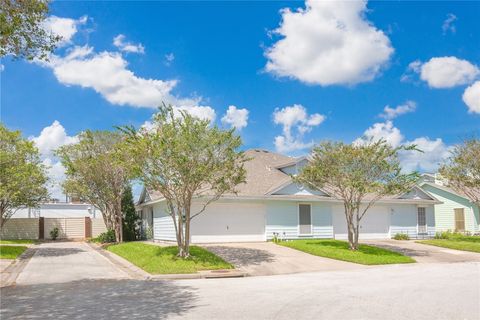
[10, 274]
[137, 273]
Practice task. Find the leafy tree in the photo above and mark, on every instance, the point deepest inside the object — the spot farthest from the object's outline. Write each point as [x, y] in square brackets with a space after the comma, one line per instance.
[21, 31]
[97, 170]
[23, 178]
[130, 217]
[358, 174]
[184, 158]
[462, 171]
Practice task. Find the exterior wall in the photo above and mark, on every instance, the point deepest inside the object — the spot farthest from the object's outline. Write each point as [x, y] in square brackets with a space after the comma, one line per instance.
[282, 218]
[59, 210]
[445, 215]
[98, 226]
[20, 229]
[163, 227]
[404, 220]
[375, 224]
[69, 228]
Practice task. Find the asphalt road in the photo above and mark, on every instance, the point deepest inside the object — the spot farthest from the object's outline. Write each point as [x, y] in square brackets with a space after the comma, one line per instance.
[416, 291]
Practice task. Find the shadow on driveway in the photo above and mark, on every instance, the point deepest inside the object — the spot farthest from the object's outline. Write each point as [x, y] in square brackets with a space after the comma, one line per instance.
[57, 252]
[242, 257]
[97, 299]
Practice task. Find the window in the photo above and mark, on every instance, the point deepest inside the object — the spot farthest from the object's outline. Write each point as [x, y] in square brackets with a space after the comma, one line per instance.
[305, 218]
[459, 220]
[421, 220]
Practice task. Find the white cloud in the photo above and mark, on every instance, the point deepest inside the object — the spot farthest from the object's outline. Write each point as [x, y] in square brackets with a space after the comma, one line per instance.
[390, 113]
[237, 118]
[382, 130]
[295, 123]
[448, 72]
[448, 25]
[328, 43]
[202, 112]
[52, 137]
[107, 73]
[63, 27]
[119, 42]
[471, 97]
[434, 151]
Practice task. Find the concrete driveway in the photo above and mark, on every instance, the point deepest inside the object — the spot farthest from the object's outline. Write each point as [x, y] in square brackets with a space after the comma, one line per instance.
[58, 262]
[423, 253]
[266, 258]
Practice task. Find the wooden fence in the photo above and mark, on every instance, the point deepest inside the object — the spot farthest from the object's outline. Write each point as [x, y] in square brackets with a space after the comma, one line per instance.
[40, 228]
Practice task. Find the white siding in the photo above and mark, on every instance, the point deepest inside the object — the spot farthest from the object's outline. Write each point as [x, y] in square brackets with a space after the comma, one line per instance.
[282, 218]
[163, 227]
[374, 225]
[229, 222]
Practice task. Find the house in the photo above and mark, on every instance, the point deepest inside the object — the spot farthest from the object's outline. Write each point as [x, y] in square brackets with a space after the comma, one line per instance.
[59, 210]
[456, 212]
[271, 203]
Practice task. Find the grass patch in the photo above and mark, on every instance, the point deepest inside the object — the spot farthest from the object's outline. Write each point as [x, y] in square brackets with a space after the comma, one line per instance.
[18, 241]
[472, 245]
[163, 260]
[11, 252]
[335, 249]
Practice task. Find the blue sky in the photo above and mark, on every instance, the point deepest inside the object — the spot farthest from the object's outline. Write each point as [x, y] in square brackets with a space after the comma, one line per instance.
[319, 70]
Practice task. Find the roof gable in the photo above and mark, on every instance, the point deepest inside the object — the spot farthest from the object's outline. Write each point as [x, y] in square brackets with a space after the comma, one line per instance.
[296, 189]
[417, 194]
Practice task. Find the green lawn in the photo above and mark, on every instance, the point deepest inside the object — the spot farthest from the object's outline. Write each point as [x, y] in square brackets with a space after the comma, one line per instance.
[163, 260]
[335, 249]
[19, 241]
[11, 252]
[465, 245]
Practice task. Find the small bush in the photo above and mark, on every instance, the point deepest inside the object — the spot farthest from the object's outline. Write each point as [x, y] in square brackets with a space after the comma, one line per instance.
[401, 236]
[106, 237]
[54, 233]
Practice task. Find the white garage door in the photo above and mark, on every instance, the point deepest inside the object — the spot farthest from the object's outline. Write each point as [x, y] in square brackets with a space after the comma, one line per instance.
[374, 225]
[230, 223]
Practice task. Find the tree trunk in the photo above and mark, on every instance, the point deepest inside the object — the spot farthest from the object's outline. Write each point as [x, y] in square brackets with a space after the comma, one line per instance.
[187, 231]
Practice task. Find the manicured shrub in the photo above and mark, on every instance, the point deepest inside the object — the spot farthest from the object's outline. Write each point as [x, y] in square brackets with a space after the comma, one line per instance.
[401, 236]
[106, 237]
[54, 233]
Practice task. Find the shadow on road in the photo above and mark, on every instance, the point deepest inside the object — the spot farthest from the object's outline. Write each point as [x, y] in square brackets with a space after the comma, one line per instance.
[97, 299]
[241, 257]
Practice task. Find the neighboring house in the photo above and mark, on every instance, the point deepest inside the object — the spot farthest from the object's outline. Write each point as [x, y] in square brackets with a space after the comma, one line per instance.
[271, 203]
[456, 212]
[59, 210]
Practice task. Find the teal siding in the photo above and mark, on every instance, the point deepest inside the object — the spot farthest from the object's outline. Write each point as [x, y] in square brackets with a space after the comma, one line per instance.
[444, 213]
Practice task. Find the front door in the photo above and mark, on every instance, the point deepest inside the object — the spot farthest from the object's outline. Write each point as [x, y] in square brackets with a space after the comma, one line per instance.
[421, 221]
[305, 219]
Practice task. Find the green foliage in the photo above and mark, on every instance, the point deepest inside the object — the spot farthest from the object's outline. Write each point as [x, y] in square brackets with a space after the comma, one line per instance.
[106, 237]
[98, 170]
[11, 252]
[164, 260]
[462, 171]
[360, 174]
[54, 233]
[401, 236]
[449, 235]
[23, 176]
[131, 220]
[149, 233]
[18, 241]
[184, 157]
[340, 250]
[471, 244]
[21, 32]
